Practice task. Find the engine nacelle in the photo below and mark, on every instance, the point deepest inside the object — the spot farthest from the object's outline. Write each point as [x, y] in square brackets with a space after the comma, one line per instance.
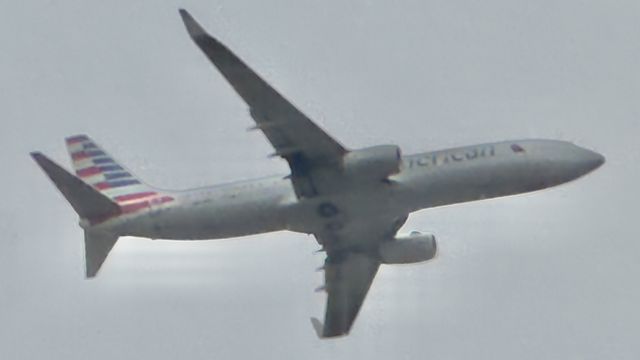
[376, 162]
[406, 249]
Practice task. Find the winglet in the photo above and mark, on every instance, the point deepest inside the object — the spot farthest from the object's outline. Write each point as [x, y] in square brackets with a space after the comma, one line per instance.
[317, 326]
[192, 25]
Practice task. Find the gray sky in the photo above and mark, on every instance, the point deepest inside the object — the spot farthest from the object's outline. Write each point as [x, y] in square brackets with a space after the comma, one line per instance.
[550, 275]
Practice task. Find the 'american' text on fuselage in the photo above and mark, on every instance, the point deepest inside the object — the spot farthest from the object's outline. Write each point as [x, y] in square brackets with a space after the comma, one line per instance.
[451, 156]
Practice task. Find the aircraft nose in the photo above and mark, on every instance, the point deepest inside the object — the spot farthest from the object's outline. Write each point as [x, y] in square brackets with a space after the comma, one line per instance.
[589, 160]
[563, 161]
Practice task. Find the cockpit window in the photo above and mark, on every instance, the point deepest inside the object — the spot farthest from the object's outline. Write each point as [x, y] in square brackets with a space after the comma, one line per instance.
[517, 148]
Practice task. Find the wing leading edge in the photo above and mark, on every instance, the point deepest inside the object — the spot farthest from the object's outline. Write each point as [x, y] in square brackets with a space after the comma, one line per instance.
[293, 135]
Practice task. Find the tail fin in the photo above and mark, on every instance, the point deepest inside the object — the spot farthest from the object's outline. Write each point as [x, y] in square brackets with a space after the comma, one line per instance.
[102, 189]
[97, 168]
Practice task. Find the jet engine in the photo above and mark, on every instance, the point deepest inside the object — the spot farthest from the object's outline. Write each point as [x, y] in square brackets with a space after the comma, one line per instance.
[407, 249]
[376, 162]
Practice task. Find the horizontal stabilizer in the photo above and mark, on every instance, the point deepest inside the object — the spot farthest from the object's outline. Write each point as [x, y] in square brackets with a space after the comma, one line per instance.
[97, 246]
[85, 200]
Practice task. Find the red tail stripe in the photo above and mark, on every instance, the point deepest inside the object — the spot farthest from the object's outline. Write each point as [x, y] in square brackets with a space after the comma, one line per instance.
[79, 155]
[76, 139]
[129, 208]
[90, 171]
[134, 196]
[102, 185]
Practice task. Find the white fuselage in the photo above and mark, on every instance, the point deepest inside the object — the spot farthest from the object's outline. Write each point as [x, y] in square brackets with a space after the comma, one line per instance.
[425, 180]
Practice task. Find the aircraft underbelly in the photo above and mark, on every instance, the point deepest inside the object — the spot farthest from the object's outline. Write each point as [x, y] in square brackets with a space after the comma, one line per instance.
[345, 211]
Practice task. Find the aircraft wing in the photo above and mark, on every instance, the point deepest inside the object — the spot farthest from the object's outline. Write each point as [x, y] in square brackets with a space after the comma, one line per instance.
[313, 156]
[349, 269]
[348, 276]
[293, 135]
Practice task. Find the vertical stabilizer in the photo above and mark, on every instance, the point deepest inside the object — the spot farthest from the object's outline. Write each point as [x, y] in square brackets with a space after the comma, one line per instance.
[97, 168]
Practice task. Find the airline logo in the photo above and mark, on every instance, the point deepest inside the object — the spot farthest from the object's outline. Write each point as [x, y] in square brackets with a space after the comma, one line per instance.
[98, 169]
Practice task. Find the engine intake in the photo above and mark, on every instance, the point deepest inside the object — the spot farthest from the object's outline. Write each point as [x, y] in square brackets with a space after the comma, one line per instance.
[376, 162]
[407, 249]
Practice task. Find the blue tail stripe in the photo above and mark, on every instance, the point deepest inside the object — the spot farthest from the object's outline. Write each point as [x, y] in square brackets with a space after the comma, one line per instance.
[118, 175]
[95, 153]
[110, 168]
[104, 160]
[119, 183]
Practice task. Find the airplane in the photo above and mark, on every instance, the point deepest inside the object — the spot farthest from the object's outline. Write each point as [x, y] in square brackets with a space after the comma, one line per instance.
[353, 201]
